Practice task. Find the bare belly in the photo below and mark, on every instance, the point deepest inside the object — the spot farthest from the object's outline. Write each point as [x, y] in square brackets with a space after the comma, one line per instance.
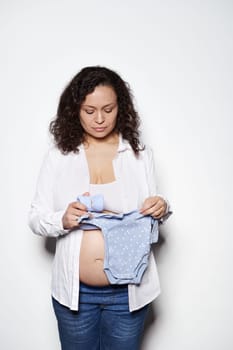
[91, 259]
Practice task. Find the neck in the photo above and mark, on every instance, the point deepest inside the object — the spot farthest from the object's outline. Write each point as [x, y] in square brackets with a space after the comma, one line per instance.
[109, 139]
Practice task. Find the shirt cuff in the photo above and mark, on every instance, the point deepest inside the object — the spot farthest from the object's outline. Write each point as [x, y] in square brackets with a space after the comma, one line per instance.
[168, 211]
[56, 220]
[48, 225]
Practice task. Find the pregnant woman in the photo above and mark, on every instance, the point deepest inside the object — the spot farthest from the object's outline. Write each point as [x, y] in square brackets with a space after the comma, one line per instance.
[97, 151]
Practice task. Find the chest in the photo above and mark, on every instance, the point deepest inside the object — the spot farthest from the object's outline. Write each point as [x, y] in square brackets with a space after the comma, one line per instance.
[73, 178]
[100, 166]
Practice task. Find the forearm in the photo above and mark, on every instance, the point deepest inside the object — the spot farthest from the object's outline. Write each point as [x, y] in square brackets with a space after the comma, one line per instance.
[47, 224]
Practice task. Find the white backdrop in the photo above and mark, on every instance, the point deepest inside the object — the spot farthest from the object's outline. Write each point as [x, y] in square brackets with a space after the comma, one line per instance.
[177, 57]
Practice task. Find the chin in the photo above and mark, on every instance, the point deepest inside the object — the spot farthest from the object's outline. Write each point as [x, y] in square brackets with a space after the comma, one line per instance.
[102, 134]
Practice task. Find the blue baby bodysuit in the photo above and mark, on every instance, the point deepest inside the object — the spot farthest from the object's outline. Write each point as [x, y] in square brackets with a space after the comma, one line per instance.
[128, 238]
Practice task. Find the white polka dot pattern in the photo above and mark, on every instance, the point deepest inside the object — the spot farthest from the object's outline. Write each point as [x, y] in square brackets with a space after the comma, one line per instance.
[128, 238]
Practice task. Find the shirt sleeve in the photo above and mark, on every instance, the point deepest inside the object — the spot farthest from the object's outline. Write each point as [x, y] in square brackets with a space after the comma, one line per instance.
[150, 168]
[151, 176]
[43, 219]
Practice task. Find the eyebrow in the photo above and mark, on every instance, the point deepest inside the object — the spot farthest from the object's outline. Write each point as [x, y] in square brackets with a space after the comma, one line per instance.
[108, 105]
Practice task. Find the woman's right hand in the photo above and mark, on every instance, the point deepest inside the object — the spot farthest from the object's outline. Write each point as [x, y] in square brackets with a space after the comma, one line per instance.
[73, 211]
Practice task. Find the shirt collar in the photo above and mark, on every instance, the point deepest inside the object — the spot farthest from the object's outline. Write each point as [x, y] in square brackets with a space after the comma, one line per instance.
[123, 144]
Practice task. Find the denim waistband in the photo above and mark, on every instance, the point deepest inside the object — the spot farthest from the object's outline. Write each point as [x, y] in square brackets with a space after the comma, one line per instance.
[85, 288]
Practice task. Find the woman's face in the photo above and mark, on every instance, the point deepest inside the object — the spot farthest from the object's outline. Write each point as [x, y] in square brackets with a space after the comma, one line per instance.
[98, 112]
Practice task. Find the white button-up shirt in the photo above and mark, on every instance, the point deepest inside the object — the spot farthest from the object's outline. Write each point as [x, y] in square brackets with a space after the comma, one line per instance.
[61, 179]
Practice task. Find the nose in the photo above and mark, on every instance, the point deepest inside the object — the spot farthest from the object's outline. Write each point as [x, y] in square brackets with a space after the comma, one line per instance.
[99, 118]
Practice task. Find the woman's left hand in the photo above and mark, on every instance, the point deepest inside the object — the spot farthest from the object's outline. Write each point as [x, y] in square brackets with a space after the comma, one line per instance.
[155, 206]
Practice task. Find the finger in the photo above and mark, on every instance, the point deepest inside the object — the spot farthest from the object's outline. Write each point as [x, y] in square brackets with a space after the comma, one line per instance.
[156, 204]
[158, 213]
[147, 205]
[81, 212]
[86, 194]
[155, 211]
[149, 211]
[78, 205]
[77, 212]
[152, 202]
[73, 221]
[70, 221]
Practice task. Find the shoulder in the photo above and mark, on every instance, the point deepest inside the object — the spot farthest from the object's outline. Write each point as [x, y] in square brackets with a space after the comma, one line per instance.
[144, 157]
[55, 157]
[125, 147]
[146, 153]
[53, 154]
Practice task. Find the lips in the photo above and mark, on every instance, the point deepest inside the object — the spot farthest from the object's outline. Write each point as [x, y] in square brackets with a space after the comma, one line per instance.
[99, 129]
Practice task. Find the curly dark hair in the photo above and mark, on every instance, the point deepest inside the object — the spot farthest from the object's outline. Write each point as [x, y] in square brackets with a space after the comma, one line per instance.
[66, 128]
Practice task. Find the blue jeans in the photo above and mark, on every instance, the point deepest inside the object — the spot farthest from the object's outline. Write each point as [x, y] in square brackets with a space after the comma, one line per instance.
[103, 321]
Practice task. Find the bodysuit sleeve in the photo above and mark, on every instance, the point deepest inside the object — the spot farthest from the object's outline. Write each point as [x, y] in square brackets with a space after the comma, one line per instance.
[43, 219]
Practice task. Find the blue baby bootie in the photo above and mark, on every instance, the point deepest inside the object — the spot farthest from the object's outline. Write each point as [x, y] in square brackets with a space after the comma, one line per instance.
[93, 203]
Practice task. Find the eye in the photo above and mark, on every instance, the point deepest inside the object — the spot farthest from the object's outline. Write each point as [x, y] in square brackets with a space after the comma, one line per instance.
[89, 111]
[108, 110]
